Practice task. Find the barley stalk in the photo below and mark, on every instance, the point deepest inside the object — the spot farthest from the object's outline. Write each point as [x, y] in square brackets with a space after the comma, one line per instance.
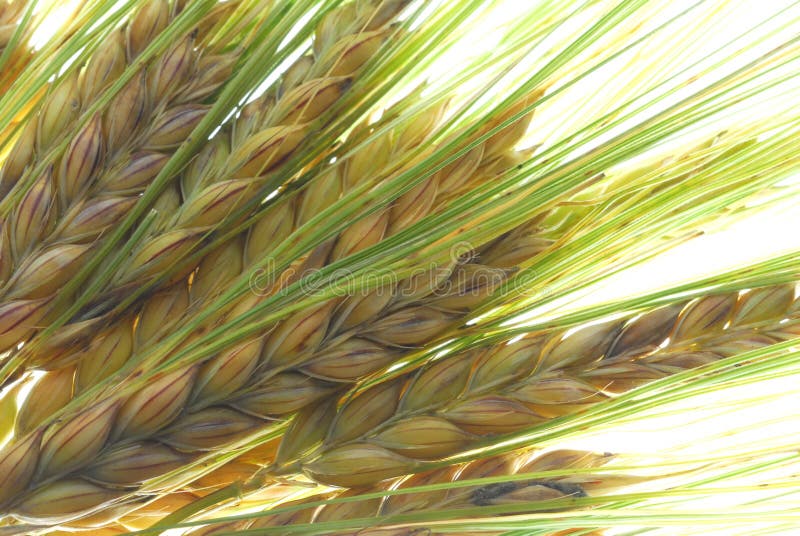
[282, 389]
[226, 378]
[220, 181]
[108, 350]
[275, 225]
[55, 227]
[158, 412]
[235, 167]
[115, 343]
[456, 403]
[290, 391]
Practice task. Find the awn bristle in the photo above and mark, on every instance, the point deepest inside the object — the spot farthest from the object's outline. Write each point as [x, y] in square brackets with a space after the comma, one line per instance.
[533, 494]
[10, 13]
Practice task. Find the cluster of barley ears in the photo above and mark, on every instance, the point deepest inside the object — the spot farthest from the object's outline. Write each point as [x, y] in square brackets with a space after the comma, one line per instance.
[314, 267]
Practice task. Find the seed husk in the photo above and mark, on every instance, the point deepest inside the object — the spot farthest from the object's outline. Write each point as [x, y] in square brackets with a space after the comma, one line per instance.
[409, 327]
[89, 219]
[78, 440]
[359, 464]
[32, 217]
[350, 360]
[108, 353]
[306, 431]
[138, 171]
[135, 463]
[763, 304]
[60, 109]
[154, 406]
[217, 201]
[579, 348]
[19, 158]
[366, 232]
[423, 437]
[264, 150]
[208, 429]
[284, 394]
[126, 114]
[203, 167]
[159, 254]
[49, 394]
[652, 328]
[439, 383]
[62, 500]
[507, 362]
[212, 71]
[174, 126]
[103, 67]
[307, 101]
[358, 310]
[228, 372]
[82, 160]
[491, 415]
[300, 333]
[17, 466]
[218, 267]
[705, 315]
[149, 20]
[173, 69]
[270, 229]
[160, 312]
[350, 53]
[364, 412]
[48, 272]
[558, 391]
